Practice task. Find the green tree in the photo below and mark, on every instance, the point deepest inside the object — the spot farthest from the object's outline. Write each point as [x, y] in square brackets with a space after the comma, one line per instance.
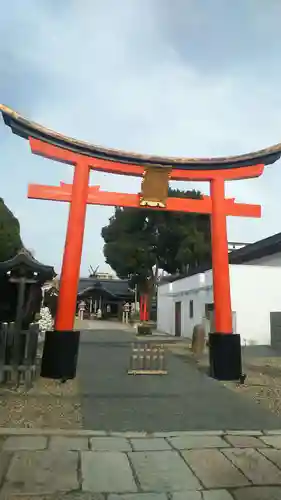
[139, 242]
[10, 240]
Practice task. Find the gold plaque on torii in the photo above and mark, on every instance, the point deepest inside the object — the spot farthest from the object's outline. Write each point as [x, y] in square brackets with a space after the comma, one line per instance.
[155, 185]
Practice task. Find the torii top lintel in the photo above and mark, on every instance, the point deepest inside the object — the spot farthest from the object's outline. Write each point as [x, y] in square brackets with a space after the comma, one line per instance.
[50, 144]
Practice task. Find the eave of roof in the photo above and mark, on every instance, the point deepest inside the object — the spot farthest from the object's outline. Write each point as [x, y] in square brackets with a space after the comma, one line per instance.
[91, 289]
[26, 128]
[252, 251]
[88, 285]
[103, 290]
[24, 258]
[257, 250]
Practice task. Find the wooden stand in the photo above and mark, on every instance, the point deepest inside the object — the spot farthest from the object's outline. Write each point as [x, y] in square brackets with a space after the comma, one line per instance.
[147, 359]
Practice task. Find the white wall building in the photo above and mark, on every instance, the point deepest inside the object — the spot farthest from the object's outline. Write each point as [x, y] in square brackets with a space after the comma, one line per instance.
[255, 280]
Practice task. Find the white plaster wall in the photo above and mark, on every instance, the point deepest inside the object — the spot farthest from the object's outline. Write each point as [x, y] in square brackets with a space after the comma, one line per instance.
[165, 312]
[197, 288]
[255, 292]
[200, 298]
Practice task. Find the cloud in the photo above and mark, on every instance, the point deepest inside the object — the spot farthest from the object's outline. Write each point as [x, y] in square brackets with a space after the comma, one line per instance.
[184, 78]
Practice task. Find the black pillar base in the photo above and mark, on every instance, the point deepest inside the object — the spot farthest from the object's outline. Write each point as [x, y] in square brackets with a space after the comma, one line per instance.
[225, 356]
[60, 354]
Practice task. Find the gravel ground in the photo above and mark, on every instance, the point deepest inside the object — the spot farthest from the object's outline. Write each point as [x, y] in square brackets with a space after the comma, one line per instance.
[49, 404]
[263, 382]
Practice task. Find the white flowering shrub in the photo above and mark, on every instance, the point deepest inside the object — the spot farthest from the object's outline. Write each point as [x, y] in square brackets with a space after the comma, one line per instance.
[45, 322]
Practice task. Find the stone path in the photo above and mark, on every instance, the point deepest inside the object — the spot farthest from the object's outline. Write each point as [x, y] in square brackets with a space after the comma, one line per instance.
[89, 465]
[87, 324]
[183, 399]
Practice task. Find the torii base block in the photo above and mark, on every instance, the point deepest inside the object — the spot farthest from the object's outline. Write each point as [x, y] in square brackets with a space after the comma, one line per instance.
[225, 356]
[60, 355]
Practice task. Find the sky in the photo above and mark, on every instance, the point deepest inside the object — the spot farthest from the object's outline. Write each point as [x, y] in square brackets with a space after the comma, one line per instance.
[169, 77]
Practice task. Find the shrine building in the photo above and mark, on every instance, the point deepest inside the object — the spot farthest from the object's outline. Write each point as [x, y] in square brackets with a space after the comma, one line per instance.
[108, 295]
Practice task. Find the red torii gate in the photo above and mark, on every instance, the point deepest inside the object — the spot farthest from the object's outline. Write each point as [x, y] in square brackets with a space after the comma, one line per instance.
[97, 197]
[79, 194]
[225, 351]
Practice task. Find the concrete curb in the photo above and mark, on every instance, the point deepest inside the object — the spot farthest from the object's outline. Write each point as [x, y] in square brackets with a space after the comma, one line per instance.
[13, 431]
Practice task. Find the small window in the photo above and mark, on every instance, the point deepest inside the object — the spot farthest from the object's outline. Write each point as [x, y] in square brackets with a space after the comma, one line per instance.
[208, 310]
[191, 308]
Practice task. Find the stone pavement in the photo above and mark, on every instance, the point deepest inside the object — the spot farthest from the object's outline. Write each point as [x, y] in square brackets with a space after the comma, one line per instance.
[93, 325]
[184, 399]
[88, 465]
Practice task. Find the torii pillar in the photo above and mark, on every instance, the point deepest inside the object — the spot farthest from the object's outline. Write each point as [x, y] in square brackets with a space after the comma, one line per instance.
[224, 347]
[70, 271]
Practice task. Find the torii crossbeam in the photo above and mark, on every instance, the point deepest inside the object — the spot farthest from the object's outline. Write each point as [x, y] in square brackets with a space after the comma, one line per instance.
[98, 197]
[156, 173]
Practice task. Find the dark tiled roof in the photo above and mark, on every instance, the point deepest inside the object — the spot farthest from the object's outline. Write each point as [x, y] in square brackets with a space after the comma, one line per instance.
[261, 248]
[26, 128]
[25, 260]
[85, 283]
[252, 251]
[114, 287]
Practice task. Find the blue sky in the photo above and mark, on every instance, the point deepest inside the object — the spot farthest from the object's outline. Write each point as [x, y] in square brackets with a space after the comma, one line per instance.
[181, 77]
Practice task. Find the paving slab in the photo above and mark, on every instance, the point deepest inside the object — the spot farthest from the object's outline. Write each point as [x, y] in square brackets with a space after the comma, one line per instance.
[42, 472]
[115, 401]
[187, 495]
[217, 495]
[272, 431]
[254, 466]
[197, 433]
[110, 444]
[75, 495]
[243, 441]
[139, 496]
[17, 443]
[163, 471]
[129, 434]
[150, 444]
[272, 455]
[189, 442]
[274, 441]
[213, 469]
[108, 472]
[240, 432]
[69, 443]
[68, 495]
[5, 458]
[258, 493]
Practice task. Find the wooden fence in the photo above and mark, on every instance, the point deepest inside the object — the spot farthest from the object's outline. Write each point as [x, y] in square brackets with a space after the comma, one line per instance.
[18, 354]
[147, 359]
